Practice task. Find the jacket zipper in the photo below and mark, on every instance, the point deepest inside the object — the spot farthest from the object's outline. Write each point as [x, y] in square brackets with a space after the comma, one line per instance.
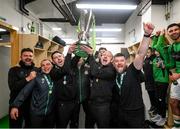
[80, 85]
[47, 102]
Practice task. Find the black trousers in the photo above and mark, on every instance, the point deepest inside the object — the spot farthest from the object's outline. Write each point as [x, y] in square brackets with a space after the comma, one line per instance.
[131, 118]
[75, 116]
[99, 114]
[152, 97]
[114, 115]
[64, 113]
[161, 95]
[43, 121]
[23, 116]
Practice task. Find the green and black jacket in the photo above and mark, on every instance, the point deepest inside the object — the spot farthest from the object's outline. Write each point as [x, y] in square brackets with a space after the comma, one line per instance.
[159, 74]
[82, 81]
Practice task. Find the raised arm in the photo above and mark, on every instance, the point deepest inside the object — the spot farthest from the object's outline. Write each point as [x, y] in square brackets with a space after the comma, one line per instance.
[143, 47]
[155, 39]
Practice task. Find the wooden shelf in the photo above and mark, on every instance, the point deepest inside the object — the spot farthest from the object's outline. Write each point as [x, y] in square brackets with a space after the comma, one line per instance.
[57, 44]
[132, 51]
[5, 44]
[50, 51]
[30, 41]
[39, 49]
[53, 47]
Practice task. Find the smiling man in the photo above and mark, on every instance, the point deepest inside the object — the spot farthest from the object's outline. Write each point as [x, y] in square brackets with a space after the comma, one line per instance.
[103, 75]
[174, 59]
[128, 85]
[18, 77]
[42, 99]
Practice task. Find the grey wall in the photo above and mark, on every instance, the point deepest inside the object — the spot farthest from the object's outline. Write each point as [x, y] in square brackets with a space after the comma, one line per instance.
[4, 89]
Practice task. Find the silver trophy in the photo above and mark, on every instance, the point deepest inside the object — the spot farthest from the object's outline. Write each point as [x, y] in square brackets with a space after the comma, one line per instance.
[86, 20]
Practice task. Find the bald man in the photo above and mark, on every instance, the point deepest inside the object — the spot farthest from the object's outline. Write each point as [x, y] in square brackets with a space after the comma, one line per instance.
[103, 74]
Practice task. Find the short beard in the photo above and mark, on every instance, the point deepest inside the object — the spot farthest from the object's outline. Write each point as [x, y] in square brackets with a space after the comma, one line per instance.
[176, 38]
[120, 70]
[28, 64]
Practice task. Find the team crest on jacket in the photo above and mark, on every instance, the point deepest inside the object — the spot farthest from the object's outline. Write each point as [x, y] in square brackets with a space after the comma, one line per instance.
[86, 72]
[42, 80]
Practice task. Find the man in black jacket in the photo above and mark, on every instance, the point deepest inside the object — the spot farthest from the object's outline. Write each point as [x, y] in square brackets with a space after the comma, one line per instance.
[18, 77]
[42, 98]
[66, 91]
[103, 75]
[149, 79]
[82, 84]
[128, 85]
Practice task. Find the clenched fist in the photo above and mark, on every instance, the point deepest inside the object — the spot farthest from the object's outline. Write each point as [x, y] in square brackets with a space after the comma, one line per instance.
[31, 76]
[14, 113]
[148, 28]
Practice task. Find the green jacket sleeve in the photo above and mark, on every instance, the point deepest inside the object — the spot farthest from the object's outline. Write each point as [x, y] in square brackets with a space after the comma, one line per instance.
[160, 47]
[160, 42]
[154, 42]
[165, 52]
[171, 61]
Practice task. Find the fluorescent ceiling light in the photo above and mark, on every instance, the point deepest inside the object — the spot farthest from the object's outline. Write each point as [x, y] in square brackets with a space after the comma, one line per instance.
[105, 6]
[107, 29]
[2, 30]
[103, 38]
[107, 40]
[56, 28]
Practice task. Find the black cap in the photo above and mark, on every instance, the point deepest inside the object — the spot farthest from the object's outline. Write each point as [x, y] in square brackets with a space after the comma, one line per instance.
[59, 40]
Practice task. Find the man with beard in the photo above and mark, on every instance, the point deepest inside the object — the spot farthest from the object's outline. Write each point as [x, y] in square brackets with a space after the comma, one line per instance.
[18, 77]
[174, 51]
[128, 84]
[173, 60]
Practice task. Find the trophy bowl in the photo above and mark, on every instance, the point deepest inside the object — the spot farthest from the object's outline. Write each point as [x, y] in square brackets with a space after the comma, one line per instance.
[83, 36]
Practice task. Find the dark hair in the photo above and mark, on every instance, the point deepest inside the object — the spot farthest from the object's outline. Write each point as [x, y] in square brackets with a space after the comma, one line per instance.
[102, 48]
[119, 54]
[55, 53]
[173, 24]
[26, 50]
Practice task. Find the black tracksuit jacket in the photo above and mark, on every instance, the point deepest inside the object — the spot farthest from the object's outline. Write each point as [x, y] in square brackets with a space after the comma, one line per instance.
[102, 81]
[148, 73]
[17, 81]
[82, 82]
[64, 80]
[42, 102]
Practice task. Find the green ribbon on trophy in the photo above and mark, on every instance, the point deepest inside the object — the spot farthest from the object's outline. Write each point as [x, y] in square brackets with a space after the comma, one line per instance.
[86, 22]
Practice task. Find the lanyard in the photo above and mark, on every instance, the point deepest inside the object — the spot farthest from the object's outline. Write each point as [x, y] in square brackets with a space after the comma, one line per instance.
[119, 84]
[50, 83]
[64, 80]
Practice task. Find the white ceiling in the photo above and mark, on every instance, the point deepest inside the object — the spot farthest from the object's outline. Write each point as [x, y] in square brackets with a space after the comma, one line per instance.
[45, 9]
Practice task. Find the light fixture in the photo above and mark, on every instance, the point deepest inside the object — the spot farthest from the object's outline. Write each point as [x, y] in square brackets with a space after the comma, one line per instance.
[2, 30]
[104, 38]
[56, 28]
[107, 29]
[107, 39]
[105, 6]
